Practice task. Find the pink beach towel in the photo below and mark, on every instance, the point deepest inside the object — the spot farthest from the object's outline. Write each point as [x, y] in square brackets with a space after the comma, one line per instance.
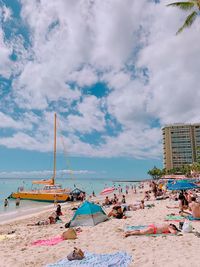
[48, 242]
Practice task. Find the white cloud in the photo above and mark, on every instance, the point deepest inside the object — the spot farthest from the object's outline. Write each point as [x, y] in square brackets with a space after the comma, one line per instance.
[8, 122]
[110, 41]
[173, 63]
[90, 116]
[5, 62]
[83, 77]
[5, 13]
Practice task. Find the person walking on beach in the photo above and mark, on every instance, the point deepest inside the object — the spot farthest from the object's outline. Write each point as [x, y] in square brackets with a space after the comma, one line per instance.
[17, 202]
[127, 188]
[6, 203]
[123, 199]
[154, 188]
[135, 188]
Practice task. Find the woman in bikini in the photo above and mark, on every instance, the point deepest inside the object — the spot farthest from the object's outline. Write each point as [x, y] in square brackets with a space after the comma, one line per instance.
[155, 229]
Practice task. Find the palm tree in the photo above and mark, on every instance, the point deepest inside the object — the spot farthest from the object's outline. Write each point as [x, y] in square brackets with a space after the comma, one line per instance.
[193, 5]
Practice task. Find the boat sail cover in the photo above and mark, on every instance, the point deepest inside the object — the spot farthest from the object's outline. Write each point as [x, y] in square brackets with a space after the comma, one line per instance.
[49, 182]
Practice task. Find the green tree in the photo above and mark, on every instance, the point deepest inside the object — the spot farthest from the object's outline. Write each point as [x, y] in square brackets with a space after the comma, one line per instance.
[193, 6]
[195, 167]
[155, 173]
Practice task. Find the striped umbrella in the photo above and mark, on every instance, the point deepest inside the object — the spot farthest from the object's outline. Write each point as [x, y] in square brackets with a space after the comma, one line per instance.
[107, 191]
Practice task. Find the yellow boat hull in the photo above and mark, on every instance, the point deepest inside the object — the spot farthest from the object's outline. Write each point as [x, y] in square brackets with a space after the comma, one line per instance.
[45, 197]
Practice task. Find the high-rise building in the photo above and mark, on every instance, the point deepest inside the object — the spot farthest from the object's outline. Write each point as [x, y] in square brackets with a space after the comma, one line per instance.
[181, 145]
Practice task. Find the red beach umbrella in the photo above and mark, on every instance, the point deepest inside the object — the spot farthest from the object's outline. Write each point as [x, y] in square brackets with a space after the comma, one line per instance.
[107, 191]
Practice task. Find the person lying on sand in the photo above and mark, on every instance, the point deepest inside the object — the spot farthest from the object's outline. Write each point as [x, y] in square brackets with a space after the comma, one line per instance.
[51, 220]
[155, 229]
[136, 207]
[194, 207]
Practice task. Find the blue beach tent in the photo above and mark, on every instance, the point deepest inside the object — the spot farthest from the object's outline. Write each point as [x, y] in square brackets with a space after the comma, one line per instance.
[88, 214]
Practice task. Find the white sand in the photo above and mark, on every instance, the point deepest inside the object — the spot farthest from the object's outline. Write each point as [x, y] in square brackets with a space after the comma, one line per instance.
[103, 238]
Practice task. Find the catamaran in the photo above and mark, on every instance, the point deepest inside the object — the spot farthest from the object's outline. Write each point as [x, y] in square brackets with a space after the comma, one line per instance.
[51, 192]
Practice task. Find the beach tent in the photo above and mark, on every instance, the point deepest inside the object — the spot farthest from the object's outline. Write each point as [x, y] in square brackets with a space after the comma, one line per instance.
[76, 191]
[181, 186]
[88, 214]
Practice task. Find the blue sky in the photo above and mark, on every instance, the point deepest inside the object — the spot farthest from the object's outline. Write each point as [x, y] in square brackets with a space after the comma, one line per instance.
[108, 69]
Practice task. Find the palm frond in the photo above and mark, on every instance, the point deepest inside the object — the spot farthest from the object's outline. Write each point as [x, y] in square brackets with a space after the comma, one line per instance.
[188, 22]
[183, 5]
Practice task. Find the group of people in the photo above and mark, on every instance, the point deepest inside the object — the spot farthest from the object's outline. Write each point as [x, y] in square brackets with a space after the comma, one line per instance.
[113, 201]
[52, 219]
[187, 204]
[17, 202]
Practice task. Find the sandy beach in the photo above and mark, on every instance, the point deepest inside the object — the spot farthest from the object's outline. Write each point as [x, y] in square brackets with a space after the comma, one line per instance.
[105, 237]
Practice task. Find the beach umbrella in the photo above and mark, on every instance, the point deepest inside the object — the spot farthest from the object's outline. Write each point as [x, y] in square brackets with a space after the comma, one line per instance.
[107, 191]
[181, 186]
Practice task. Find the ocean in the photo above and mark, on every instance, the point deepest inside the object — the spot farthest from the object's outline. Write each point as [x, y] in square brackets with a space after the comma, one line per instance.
[8, 185]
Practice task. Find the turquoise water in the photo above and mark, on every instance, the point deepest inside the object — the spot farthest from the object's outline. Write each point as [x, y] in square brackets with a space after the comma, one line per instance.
[10, 185]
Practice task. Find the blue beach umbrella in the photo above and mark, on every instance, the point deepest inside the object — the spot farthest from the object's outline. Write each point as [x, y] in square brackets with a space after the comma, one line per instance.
[181, 186]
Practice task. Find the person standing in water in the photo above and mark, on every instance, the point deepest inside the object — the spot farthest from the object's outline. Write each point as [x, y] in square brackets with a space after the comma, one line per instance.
[6, 203]
[17, 202]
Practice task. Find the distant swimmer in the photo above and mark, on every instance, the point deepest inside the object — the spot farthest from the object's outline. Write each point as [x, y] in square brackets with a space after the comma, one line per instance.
[6, 203]
[17, 202]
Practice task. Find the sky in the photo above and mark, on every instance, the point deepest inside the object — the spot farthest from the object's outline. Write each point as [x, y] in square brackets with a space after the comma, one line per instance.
[113, 71]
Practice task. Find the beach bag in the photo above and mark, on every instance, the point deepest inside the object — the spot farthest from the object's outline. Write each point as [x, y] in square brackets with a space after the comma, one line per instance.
[69, 234]
[187, 227]
[76, 254]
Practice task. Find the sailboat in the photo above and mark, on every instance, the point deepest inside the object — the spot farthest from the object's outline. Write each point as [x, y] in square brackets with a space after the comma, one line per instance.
[51, 192]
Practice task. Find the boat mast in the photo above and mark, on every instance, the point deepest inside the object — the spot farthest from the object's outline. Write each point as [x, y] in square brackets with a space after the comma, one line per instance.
[54, 156]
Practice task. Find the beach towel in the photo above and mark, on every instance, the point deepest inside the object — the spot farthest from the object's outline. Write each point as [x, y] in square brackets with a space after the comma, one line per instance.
[134, 227]
[176, 218]
[191, 218]
[9, 236]
[121, 259]
[48, 242]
